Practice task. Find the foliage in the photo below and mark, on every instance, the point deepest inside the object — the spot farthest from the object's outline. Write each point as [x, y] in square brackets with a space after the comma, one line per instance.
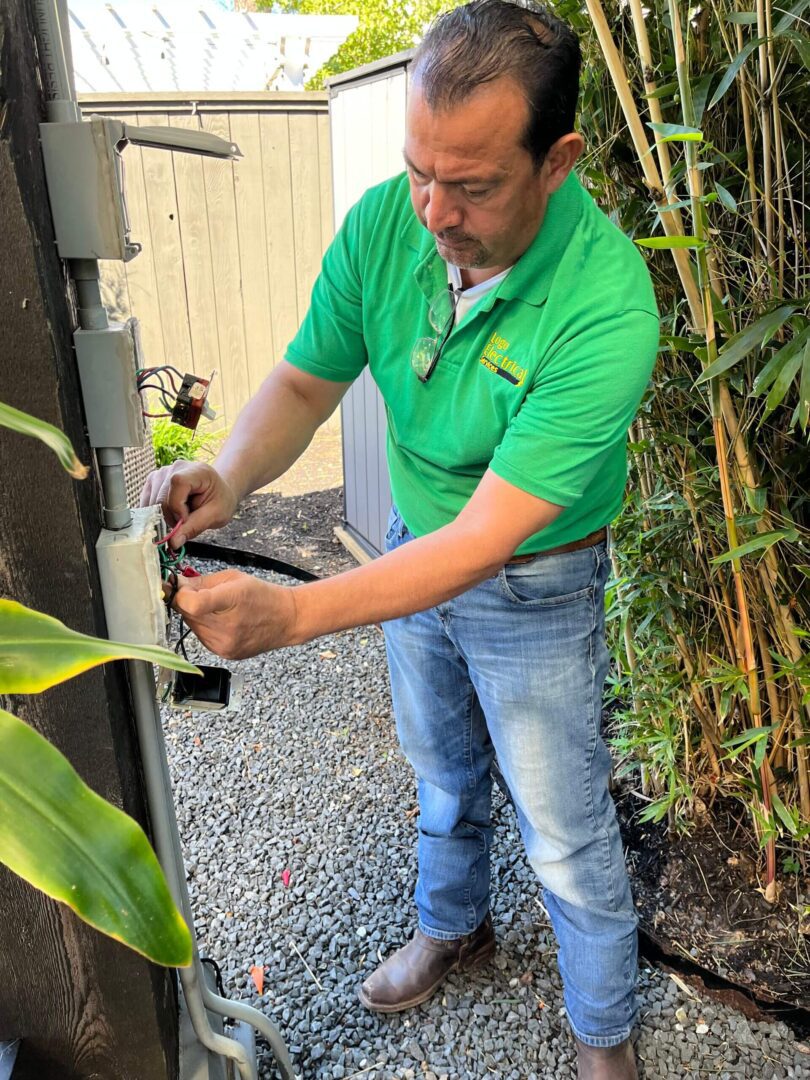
[384, 28]
[172, 442]
[710, 563]
[55, 832]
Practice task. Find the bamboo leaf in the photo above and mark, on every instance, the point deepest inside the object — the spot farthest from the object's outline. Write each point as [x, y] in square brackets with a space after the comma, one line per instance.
[659, 242]
[741, 344]
[804, 389]
[732, 69]
[676, 132]
[662, 91]
[778, 361]
[763, 540]
[746, 18]
[67, 841]
[700, 91]
[37, 652]
[783, 814]
[53, 438]
[750, 735]
[781, 385]
[802, 45]
[790, 17]
[726, 198]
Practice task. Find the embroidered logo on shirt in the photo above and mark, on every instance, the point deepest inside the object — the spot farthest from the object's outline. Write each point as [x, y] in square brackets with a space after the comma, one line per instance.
[496, 359]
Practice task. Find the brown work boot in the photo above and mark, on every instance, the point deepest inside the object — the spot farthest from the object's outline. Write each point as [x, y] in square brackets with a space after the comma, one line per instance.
[415, 971]
[606, 1062]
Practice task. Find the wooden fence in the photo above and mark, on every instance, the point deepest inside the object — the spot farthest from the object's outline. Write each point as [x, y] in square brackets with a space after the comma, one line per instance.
[230, 251]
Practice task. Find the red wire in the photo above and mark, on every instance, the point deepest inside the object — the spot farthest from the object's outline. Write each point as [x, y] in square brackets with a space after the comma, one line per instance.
[165, 539]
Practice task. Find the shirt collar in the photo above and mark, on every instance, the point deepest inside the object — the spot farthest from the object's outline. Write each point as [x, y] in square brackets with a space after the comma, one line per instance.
[533, 273]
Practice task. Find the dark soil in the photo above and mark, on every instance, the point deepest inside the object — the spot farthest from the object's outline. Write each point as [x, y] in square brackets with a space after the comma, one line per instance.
[699, 897]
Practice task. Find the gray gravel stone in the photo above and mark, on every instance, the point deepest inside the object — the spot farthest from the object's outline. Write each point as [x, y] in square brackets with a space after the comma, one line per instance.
[307, 778]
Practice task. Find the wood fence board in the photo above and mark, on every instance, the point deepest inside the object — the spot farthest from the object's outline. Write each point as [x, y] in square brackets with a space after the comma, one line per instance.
[198, 263]
[248, 178]
[219, 183]
[164, 230]
[142, 279]
[278, 209]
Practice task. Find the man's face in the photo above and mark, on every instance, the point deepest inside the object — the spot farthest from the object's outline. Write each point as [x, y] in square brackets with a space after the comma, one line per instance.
[473, 184]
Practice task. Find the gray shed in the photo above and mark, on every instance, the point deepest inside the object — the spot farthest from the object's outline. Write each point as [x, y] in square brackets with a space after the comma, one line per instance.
[367, 119]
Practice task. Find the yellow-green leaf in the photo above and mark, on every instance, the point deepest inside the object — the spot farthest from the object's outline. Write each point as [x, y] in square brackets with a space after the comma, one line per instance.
[763, 540]
[67, 841]
[671, 242]
[53, 438]
[37, 651]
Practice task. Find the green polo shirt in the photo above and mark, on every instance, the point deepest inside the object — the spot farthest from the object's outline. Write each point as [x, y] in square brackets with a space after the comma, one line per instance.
[539, 382]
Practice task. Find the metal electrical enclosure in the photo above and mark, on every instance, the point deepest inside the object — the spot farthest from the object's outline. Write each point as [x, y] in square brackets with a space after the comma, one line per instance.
[108, 359]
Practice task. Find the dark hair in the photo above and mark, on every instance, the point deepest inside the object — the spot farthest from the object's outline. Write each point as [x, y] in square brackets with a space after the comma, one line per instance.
[487, 39]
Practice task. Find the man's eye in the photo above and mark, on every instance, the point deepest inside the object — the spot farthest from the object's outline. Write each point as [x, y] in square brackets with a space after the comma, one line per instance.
[420, 178]
[476, 193]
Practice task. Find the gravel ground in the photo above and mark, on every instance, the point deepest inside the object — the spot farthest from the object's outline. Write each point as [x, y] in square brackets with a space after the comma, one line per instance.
[298, 820]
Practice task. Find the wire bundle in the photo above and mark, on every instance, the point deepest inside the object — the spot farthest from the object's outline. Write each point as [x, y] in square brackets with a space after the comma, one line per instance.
[152, 378]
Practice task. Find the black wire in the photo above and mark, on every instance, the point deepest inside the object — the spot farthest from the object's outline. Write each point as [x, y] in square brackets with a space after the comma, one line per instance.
[237, 557]
[181, 641]
[217, 973]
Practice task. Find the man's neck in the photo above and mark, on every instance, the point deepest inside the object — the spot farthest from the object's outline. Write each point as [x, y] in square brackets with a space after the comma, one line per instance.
[478, 275]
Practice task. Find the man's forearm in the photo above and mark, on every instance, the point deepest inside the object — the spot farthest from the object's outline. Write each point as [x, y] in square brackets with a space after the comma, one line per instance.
[418, 575]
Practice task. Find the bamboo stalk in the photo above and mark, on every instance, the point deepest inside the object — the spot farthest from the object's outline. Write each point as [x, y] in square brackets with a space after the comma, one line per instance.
[749, 665]
[651, 175]
[765, 124]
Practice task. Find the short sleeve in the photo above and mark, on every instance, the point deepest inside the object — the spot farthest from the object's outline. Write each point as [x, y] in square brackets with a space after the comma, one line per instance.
[330, 342]
[574, 419]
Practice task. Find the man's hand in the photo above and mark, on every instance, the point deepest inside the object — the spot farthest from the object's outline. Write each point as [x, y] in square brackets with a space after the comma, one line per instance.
[193, 493]
[236, 615]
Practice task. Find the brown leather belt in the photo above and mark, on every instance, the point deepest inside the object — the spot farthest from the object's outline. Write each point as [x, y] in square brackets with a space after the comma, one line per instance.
[587, 541]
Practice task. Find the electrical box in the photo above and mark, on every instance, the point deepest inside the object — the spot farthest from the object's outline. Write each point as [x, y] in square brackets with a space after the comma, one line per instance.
[85, 185]
[85, 177]
[108, 360]
[131, 583]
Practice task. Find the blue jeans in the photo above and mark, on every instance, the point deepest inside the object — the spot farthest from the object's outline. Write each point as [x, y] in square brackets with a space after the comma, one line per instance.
[516, 667]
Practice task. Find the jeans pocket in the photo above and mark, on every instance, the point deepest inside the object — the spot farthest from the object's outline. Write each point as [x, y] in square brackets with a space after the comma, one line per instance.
[552, 580]
[393, 530]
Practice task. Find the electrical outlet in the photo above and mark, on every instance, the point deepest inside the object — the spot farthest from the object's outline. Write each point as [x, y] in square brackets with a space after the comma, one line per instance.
[131, 582]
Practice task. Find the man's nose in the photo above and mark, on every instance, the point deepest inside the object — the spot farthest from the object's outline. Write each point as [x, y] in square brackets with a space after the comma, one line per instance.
[442, 210]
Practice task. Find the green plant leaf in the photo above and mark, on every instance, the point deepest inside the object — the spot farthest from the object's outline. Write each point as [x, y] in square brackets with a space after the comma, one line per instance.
[804, 387]
[741, 344]
[802, 45]
[659, 242]
[676, 132]
[662, 91]
[781, 385]
[53, 438]
[37, 652]
[700, 91]
[772, 369]
[747, 18]
[783, 814]
[763, 540]
[726, 198]
[732, 69]
[790, 17]
[66, 840]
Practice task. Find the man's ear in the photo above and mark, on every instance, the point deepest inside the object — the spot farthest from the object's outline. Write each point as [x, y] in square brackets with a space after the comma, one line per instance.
[561, 157]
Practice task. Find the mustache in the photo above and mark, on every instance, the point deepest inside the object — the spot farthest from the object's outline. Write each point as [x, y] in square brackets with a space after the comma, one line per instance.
[450, 237]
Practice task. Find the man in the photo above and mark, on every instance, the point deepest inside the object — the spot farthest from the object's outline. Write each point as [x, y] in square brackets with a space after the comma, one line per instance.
[511, 330]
